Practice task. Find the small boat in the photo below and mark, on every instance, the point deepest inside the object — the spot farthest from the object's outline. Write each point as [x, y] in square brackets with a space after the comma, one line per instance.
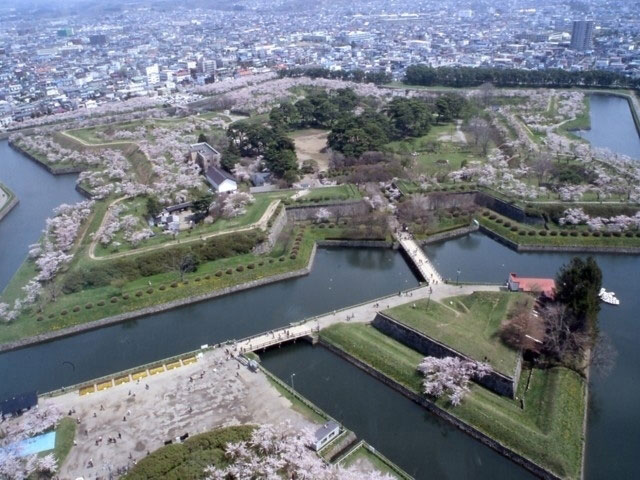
[608, 297]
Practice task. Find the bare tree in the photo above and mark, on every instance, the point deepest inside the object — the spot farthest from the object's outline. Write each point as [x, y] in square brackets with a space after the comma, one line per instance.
[481, 133]
[181, 263]
[542, 165]
[561, 343]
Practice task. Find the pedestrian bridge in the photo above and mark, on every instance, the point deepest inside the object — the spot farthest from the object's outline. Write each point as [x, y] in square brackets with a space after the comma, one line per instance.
[419, 258]
[275, 337]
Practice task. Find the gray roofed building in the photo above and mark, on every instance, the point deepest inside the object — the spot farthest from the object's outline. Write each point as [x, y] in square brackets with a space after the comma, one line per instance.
[326, 433]
[220, 180]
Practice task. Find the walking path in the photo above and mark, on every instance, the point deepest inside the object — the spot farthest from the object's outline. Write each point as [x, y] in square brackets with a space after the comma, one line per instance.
[419, 258]
[363, 313]
[261, 224]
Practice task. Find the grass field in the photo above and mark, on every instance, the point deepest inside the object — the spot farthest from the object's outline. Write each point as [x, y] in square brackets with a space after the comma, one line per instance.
[562, 236]
[346, 191]
[65, 433]
[468, 324]
[364, 454]
[543, 424]
[435, 156]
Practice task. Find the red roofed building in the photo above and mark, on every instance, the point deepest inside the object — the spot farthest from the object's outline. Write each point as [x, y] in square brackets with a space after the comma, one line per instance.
[546, 286]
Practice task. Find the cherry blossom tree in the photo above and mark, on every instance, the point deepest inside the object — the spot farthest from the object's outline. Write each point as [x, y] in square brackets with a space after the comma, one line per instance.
[450, 376]
[281, 452]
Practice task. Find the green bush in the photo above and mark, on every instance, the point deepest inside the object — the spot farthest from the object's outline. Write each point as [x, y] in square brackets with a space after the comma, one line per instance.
[101, 303]
[573, 233]
[499, 220]
[251, 266]
[207, 277]
[149, 291]
[531, 233]
[126, 296]
[139, 293]
[229, 271]
[114, 299]
[64, 312]
[51, 315]
[162, 287]
[586, 234]
[596, 234]
[564, 233]
[219, 273]
[293, 257]
[271, 260]
[628, 234]
[76, 308]
[514, 229]
[553, 233]
[174, 284]
[281, 259]
[617, 234]
[39, 318]
[542, 233]
[89, 306]
[522, 232]
[239, 268]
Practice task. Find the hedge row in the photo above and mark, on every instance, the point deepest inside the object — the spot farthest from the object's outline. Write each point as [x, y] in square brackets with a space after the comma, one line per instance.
[101, 274]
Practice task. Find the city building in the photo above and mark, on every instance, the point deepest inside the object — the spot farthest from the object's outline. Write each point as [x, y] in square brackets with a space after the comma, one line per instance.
[582, 35]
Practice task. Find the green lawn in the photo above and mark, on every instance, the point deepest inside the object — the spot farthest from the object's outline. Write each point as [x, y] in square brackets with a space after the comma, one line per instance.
[468, 324]
[435, 156]
[65, 433]
[581, 122]
[364, 454]
[544, 423]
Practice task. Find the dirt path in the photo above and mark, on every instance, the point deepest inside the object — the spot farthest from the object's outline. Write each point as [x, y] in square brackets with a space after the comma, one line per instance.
[261, 224]
[105, 144]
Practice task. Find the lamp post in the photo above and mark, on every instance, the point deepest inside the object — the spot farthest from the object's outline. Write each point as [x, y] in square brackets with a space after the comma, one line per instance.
[458, 277]
[292, 375]
[429, 298]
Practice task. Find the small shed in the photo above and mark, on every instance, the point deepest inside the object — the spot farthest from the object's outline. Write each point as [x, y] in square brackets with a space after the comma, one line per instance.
[326, 433]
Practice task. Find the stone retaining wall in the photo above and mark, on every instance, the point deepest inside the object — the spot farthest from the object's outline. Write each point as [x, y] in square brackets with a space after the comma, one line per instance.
[457, 232]
[276, 229]
[356, 243]
[56, 171]
[435, 409]
[66, 332]
[448, 200]
[427, 346]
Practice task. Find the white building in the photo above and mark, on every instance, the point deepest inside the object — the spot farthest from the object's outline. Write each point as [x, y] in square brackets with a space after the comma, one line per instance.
[326, 433]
